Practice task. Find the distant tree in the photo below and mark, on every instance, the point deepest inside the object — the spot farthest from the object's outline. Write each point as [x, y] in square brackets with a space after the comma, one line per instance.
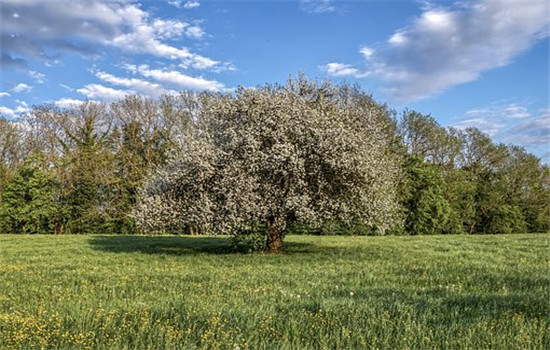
[275, 155]
[29, 202]
[82, 138]
[427, 210]
[496, 211]
[460, 192]
[503, 175]
[424, 138]
[536, 208]
[11, 150]
[527, 187]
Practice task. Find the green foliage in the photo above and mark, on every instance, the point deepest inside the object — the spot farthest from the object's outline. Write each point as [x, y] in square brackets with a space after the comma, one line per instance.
[460, 192]
[427, 211]
[10, 149]
[536, 208]
[497, 212]
[187, 292]
[28, 201]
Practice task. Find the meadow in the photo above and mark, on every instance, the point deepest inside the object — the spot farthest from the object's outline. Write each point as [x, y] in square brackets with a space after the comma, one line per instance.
[329, 292]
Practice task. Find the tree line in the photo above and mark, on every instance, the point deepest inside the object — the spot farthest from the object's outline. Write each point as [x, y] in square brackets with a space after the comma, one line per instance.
[302, 157]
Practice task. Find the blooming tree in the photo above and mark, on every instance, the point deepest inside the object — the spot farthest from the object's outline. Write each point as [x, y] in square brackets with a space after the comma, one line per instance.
[271, 155]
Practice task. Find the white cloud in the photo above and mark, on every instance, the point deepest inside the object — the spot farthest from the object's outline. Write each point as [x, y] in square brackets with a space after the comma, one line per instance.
[177, 79]
[21, 87]
[156, 82]
[448, 46]
[5, 94]
[38, 77]
[366, 51]
[318, 6]
[340, 69]
[22, 107]
[194, 32]
[163, 82]
[191, 4]
[136, 85]
[68, 102]
[100, 92]
[176, 3]
[8, 112]
[142, 42]
[40, 32]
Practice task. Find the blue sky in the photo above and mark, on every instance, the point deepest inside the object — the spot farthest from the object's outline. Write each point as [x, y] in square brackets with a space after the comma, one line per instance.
[480, 63]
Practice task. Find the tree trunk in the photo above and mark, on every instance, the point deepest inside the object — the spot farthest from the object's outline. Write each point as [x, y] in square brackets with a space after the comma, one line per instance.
[274, 242]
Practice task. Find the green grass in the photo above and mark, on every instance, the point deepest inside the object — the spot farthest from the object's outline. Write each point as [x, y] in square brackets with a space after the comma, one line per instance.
[122, 292]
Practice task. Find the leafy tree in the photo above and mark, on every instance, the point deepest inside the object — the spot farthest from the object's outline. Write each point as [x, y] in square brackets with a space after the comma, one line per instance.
[276, 154]
[536, 209]
[29, 201]
[10, 149]
[80, 151]
[425, 139]
[460, 193]
[427, 211]
[527, 187]
[496, 211]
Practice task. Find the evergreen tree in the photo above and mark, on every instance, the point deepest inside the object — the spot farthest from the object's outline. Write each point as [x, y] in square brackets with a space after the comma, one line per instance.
[28, 202]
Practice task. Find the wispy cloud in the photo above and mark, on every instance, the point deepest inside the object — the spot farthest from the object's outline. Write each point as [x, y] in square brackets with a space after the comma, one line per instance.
[447, 46]
[68, 102]
[184, 4]
[341, 69]
[318, 6]
[501, 111]
[38, 77]
[139, 86]
[191, 4]
[514, 123]
[7, 61]
[104, 93]
[176, 79]
[66, 87]
[145, 81]
[532, 132]
[21, 87]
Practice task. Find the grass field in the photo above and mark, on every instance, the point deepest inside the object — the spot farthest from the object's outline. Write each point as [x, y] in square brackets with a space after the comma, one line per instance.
[122, 292]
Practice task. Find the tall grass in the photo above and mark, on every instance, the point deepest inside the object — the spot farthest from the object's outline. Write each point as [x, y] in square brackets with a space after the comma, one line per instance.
[167, 292]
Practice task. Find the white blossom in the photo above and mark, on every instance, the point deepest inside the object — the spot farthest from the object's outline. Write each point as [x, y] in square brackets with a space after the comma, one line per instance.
[303, 151]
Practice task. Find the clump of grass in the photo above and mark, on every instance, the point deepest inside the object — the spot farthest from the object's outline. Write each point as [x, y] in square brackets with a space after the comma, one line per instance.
[169, 292]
